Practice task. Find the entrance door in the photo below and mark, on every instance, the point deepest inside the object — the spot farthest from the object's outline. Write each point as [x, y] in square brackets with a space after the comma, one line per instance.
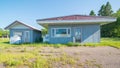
[27, 37]
[78, 34]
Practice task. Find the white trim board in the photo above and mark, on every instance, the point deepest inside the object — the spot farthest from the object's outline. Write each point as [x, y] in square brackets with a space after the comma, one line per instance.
[77, 21]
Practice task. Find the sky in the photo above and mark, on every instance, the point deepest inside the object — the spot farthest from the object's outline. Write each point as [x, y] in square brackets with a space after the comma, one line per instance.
[27, 11]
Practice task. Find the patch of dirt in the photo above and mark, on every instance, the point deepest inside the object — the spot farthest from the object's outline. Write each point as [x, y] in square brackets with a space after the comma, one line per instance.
[100, 57]
[2, 66]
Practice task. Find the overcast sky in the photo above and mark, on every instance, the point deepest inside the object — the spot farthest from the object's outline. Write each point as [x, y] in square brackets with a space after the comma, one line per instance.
[27, 11]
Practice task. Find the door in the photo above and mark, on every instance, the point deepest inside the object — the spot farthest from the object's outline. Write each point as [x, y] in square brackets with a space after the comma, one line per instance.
[27, 37]
[77, 34]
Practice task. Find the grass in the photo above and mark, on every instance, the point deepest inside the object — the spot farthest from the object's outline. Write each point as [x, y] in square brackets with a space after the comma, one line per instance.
[33, 59]
[113, 42]
[22, 56]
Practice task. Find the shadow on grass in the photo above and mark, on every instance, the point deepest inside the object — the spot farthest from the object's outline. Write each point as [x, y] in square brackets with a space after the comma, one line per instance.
[6, 42]
[116, 39]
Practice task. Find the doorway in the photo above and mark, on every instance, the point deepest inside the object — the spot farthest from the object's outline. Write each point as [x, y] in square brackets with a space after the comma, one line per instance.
[27, 37]
[78, 34]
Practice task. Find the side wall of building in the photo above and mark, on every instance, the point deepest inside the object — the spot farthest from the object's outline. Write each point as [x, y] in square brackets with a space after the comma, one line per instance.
[89, 33]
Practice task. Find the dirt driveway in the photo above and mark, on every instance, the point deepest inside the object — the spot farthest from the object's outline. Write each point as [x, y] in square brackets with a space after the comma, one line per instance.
[102, 57]
[108, 57]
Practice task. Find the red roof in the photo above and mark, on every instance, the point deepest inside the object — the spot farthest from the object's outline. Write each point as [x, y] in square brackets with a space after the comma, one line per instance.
[75, 17]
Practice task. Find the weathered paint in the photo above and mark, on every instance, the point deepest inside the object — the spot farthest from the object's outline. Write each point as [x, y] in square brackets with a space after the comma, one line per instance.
[89, 33]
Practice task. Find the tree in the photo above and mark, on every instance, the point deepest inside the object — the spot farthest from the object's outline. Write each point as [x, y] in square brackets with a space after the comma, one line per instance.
[105, 10]
[108, 9]
[92, 13]
[44, 32]
[4, 32]
[1, 31]
[101, 11]
[117, 14]
[112, 29]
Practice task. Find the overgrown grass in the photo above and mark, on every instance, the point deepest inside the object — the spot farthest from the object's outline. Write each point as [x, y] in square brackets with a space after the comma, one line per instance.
[113, 42]
[33, 58]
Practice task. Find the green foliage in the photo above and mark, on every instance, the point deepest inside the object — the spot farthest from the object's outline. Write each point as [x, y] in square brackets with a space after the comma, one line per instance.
[112, 29]
[4, 32]
[105, 10]
[44, 32]
[92, 13]
[101, 11]
[108, 9]
[117, 14]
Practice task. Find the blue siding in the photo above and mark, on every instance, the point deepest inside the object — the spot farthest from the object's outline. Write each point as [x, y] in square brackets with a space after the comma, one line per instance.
[33, 34]
[59, 39]
[21, 30]
[89, 33]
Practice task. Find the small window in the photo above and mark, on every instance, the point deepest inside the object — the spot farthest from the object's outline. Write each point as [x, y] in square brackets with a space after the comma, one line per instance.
[61, 32]
[18, 33]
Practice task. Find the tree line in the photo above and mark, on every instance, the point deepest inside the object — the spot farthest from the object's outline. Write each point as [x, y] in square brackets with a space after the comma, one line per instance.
[4, 33]
[111, 29]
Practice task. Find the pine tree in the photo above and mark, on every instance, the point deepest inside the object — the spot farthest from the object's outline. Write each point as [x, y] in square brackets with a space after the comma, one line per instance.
[108, 9]
[101, 11]
[105, 10]
[92, 13]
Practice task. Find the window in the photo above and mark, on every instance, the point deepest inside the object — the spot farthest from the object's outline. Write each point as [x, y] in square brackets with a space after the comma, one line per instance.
[61, 32]
[18, 33]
